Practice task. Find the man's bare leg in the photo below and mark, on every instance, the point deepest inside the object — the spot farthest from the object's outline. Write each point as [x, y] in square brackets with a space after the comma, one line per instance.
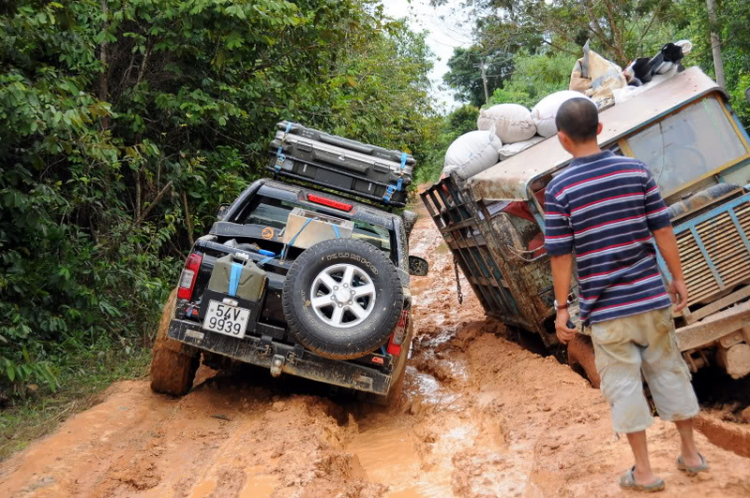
[643, 474]
[690, 455]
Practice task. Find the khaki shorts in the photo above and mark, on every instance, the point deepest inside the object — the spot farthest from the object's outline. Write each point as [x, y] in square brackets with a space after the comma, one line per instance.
[646, 343]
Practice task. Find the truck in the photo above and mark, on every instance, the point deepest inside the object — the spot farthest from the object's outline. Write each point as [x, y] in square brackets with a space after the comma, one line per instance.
[297, 280]
[698, 151]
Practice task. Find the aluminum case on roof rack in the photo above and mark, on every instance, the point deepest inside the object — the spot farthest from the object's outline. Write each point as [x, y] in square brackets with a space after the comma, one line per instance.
[341, 164]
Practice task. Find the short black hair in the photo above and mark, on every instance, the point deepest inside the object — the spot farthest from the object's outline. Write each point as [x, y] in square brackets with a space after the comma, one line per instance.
[579, 119]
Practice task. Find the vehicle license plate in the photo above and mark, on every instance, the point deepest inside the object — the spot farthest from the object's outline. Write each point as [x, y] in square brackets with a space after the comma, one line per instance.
[227, 320]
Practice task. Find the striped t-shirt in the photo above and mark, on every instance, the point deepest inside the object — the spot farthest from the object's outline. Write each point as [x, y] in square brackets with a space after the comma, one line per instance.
[605, 207]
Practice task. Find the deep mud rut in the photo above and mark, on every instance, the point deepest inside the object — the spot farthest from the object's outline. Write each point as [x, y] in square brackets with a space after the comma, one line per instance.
[481, 417]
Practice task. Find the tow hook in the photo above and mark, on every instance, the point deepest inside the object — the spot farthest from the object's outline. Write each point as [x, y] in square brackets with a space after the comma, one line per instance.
[277, 363]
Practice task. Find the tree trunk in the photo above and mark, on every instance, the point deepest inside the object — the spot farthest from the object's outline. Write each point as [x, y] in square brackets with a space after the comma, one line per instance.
[716, 44]
[104, 75]
[188, 221]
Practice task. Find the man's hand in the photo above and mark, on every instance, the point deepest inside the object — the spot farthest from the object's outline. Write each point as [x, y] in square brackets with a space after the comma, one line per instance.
[564, 334]
[678, 293]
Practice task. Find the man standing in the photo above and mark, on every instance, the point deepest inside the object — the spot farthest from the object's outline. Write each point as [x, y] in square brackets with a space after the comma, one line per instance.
[608, 209]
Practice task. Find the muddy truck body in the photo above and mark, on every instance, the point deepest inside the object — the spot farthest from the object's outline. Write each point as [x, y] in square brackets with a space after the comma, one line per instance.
[699, 153]
[297, 281]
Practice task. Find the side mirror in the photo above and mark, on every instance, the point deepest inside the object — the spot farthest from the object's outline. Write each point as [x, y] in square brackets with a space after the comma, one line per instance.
[222, 211]
[418, 266]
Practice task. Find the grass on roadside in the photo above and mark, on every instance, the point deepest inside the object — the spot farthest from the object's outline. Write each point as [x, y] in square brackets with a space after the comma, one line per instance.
[82, 380]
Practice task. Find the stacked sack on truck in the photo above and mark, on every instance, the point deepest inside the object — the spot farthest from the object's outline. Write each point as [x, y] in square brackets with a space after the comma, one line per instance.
[545, 111]
[472, 153]
[504, 130]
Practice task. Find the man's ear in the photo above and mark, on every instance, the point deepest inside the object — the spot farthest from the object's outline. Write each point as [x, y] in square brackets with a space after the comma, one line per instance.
[599, 128]
[564, 140]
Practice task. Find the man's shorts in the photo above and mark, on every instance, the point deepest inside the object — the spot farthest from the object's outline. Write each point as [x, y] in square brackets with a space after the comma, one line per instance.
[646, 343]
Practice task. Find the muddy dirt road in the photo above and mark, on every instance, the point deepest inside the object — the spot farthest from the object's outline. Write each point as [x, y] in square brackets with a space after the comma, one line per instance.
[481, 417]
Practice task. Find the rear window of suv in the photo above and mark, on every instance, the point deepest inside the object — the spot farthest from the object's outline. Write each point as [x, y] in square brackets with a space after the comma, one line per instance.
[268, 212]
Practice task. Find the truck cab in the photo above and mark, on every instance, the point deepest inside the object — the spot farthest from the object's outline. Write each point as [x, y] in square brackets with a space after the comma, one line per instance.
[685, 131]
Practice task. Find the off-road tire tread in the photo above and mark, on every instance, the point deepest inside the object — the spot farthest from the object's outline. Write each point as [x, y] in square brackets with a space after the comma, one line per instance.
[394, 393]
[354, 350]
[173, 364]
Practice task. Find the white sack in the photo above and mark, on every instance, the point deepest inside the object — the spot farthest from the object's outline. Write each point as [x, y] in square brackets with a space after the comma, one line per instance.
[545, 111]
[512, 122]
[472, 153]
[510, 150]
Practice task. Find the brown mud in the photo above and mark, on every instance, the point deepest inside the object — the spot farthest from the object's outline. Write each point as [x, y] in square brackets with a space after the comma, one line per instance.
[480, 417]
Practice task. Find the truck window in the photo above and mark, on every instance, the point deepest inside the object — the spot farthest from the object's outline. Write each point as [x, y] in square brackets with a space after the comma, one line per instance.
[274, 213]
[686, 145]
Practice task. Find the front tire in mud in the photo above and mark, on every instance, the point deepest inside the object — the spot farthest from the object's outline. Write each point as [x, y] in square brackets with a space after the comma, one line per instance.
[173, 364]
[342, 298]
[581, 358]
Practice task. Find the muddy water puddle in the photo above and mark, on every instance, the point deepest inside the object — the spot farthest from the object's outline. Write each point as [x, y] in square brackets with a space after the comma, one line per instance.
[389, 456]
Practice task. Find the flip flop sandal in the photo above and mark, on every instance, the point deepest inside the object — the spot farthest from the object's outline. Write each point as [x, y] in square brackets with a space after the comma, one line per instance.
[627, 481]
[703, 467]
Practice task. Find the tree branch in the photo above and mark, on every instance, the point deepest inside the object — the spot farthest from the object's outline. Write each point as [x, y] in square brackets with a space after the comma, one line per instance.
[154, 203]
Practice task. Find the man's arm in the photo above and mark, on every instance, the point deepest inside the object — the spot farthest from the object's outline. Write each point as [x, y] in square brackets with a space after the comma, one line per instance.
[660, 225]
[558, 240]
[562, 272]
[667, 244]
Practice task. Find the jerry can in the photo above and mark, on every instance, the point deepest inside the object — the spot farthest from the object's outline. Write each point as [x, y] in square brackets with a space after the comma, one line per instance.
[237, 277]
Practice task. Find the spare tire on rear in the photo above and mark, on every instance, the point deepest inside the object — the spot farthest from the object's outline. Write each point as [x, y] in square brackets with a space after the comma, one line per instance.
[342, 298]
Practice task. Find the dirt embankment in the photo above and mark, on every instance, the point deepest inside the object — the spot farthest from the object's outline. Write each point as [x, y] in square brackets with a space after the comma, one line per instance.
[480, 417]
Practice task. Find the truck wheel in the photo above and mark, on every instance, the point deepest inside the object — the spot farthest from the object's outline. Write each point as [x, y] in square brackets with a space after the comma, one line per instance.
[581, 358]
[173, 364]
[342, 298]
[399, 374]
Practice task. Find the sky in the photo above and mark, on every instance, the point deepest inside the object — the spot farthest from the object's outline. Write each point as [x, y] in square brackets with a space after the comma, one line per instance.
[445, 33]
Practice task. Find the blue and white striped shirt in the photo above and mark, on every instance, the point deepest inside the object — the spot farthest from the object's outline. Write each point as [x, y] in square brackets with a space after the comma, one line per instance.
[605, 207]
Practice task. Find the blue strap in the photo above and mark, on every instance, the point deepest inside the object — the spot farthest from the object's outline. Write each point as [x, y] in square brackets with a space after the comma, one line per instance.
[294, 239]
[265, 260]
[336, 231]
[399, 184]
[234, 279]
[280, 157]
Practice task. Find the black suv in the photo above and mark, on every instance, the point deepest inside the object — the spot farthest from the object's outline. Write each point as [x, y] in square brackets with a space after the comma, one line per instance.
[338, 311]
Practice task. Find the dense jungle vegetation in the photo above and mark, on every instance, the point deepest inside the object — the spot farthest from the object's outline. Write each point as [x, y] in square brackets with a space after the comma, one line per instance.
[125, 124]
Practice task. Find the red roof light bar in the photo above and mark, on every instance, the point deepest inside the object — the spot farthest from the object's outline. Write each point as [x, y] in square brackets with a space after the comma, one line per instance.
[341, 206]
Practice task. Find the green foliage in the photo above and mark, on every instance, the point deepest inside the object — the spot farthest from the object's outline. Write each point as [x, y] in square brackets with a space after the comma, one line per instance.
[465, 75]
[460, 121]
[125, 124]
[535, 77]
[735, 48]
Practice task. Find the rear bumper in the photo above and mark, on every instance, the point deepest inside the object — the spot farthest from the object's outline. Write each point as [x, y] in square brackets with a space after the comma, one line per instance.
[290, 360]
[714, 327]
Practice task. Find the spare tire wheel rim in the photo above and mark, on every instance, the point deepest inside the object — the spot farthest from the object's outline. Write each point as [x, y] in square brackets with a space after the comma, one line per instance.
[343, 296]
